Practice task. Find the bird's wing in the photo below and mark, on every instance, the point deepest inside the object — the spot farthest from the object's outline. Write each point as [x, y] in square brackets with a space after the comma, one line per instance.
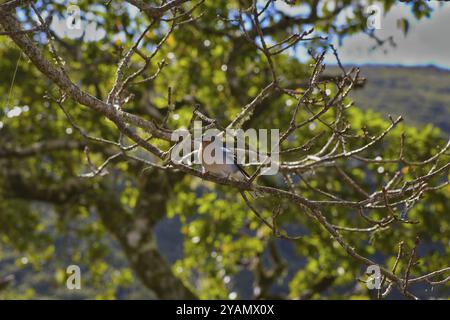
[229, 153]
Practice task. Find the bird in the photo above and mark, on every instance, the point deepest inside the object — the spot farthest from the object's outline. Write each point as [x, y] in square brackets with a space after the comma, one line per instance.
[227, 168]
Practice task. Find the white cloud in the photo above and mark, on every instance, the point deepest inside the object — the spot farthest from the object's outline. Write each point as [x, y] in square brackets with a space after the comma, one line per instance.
[296, 10]
[426, 42]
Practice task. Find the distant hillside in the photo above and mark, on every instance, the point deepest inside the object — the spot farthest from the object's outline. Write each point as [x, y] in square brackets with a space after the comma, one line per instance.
[420, 94]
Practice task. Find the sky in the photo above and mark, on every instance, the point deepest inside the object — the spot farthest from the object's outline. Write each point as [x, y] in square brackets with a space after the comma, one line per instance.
[427, 42]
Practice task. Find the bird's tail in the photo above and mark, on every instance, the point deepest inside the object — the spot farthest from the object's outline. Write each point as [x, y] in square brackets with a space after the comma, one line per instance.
[243, 176]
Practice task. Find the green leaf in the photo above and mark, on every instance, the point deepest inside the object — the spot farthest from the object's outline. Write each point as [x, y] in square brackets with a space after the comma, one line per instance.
[403, 24]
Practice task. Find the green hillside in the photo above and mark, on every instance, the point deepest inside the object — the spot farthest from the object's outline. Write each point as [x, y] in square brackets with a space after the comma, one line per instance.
[420, 94]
